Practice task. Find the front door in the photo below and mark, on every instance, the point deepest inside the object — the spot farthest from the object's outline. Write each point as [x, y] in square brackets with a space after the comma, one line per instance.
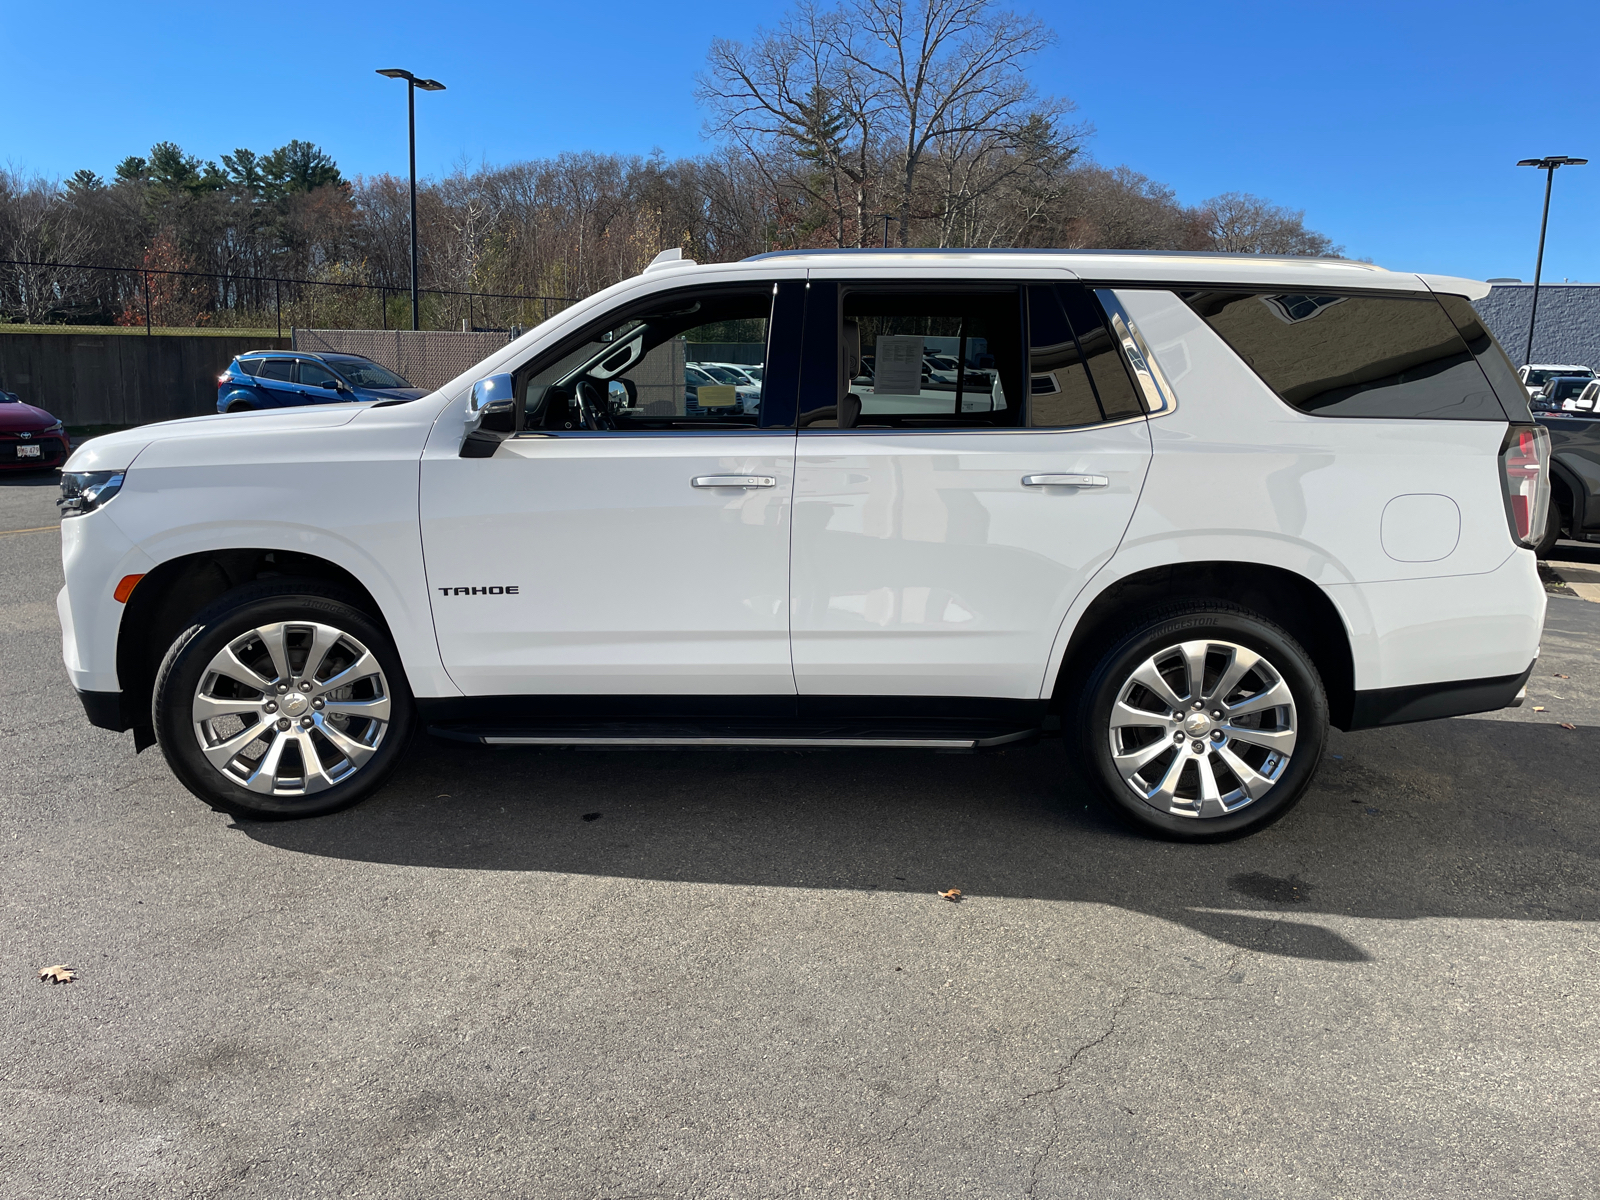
[634, 539]
[979, 462]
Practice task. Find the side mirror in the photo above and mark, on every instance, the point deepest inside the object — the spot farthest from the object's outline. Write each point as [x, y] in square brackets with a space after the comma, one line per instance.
[494, 415]
[333, 385]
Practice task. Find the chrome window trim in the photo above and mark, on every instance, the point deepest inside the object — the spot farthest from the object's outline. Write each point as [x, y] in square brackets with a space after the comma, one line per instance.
[987, 430]
[1159, 397]
[529, 434]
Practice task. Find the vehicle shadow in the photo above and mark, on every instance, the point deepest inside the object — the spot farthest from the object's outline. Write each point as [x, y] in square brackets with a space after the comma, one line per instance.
[1463, 818]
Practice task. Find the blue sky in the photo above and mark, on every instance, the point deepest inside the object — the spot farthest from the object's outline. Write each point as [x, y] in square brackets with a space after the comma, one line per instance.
[1394, 125]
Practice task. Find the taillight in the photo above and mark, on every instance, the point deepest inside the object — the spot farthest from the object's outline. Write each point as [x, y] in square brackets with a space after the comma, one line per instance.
[1525, 481]
[224, 377]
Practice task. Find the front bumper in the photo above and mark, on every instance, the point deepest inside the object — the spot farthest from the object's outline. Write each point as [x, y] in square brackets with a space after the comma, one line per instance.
[105, 711]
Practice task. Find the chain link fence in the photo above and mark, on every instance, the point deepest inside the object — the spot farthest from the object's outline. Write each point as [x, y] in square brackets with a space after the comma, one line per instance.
[78, 294]
[429, 358]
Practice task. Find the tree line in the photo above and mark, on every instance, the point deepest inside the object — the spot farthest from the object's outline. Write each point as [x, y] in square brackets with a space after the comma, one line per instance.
[854, 124]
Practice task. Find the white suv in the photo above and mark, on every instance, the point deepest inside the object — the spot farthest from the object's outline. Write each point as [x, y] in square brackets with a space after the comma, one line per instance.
[1182, 510]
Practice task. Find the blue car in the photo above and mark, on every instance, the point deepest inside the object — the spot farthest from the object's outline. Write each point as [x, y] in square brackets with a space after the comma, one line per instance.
[279, 378]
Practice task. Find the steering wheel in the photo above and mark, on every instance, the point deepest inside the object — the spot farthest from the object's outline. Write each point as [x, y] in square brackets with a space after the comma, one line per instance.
[592, 406]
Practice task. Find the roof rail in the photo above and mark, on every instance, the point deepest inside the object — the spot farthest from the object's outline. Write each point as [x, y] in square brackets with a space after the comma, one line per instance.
[1001, 250]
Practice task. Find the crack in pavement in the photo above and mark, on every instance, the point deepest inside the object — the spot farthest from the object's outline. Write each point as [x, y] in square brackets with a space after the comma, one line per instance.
[1062, 1072]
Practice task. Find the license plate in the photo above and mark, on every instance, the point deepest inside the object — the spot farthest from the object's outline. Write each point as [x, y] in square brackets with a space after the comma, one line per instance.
[28, 451]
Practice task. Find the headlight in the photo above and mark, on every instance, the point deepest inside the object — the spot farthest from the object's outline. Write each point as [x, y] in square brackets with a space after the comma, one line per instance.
[84, 491]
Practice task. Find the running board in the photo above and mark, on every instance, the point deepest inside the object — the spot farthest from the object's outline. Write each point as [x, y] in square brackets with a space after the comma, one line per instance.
[722, 736]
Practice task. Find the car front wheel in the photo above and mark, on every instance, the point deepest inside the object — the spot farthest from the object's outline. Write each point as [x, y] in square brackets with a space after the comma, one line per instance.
[282, 700]
[1202, 722]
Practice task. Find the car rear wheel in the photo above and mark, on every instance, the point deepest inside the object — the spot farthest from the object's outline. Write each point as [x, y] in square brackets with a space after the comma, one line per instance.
[1552, 532]
[282, 700]
[240, 406]
[1202, 722]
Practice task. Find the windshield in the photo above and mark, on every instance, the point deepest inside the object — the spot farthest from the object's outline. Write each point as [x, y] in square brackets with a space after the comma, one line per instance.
[723, 374]
[367, 374]
[1538, 377]
[1566, 389]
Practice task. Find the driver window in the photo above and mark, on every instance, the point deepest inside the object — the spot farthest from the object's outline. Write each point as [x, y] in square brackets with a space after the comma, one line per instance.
[315, 374]
[685, 361]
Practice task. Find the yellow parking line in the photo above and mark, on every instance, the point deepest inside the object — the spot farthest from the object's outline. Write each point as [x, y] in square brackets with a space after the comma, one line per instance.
[35, 529]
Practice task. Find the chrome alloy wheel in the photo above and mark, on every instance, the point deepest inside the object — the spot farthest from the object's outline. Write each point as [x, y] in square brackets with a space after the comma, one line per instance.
[291, 708]
[1202, 729]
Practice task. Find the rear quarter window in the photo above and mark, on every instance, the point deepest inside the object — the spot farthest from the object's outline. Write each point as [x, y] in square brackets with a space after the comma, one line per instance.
[1333, 355]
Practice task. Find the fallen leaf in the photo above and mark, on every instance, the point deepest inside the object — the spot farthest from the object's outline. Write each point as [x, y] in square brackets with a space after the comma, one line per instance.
[60, 973]
[1559, 676]
[953, 895]
[1538, 708]
[1564, 725]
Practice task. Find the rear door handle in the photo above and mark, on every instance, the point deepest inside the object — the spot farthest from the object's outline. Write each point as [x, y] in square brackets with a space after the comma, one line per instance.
[734, 481]
[1077, 481]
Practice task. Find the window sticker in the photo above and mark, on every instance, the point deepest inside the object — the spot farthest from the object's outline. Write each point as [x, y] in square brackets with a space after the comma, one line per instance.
[897, 369]
[722, 395]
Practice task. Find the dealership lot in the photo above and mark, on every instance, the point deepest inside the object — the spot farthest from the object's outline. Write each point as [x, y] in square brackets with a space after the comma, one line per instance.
[554, 974]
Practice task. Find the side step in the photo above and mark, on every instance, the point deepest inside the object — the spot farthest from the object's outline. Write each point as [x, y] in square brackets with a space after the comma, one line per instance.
[754, 735]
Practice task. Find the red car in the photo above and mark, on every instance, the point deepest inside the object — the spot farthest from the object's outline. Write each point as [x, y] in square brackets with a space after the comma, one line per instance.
[30, 438]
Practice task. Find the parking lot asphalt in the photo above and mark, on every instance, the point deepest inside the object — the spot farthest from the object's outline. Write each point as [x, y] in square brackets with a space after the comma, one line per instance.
[529, 973]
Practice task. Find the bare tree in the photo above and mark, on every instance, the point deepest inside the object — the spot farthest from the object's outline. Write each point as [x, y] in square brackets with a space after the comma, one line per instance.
[1244, 224]
[946, 69]
[792, 91]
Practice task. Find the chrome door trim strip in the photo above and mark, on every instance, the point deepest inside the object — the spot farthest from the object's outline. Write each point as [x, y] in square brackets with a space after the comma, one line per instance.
[787, 742]
[1159, 398]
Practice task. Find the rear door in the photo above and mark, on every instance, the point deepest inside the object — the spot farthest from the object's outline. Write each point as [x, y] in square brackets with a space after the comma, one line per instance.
[278, 382]
[943, 527]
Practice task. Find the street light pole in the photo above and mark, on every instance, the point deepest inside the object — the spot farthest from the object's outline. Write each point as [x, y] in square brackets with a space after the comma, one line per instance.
[412, 84]
[1548, 165]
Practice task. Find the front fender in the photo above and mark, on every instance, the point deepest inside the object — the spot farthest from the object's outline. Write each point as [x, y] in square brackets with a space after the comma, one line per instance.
[319, 484]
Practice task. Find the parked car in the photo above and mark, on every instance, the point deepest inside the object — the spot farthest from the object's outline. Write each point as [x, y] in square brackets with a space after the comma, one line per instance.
[738, 374]
[1574, 510]
[696, 376]
[1585, 401]
[1535, 375]
[1559, 391]
[1203, 519]
[278, 378]
[30, 438]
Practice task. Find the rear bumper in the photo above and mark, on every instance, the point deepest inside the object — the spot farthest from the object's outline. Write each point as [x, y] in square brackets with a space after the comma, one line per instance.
[1430, 701]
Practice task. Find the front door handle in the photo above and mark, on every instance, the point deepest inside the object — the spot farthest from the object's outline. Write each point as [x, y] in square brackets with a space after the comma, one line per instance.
[1077, 481]
[734, 481]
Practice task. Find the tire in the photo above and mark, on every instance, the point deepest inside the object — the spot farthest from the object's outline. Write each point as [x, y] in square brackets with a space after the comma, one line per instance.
[1552, 532]
[239, 406]
[301, 664]
[1250, 766]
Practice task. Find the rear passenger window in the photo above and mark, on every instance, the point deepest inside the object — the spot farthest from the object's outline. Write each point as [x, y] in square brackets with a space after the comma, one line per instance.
[278, 368]
[1076, 374]
[933, 358]
[1335, 355]
[1491, 357]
